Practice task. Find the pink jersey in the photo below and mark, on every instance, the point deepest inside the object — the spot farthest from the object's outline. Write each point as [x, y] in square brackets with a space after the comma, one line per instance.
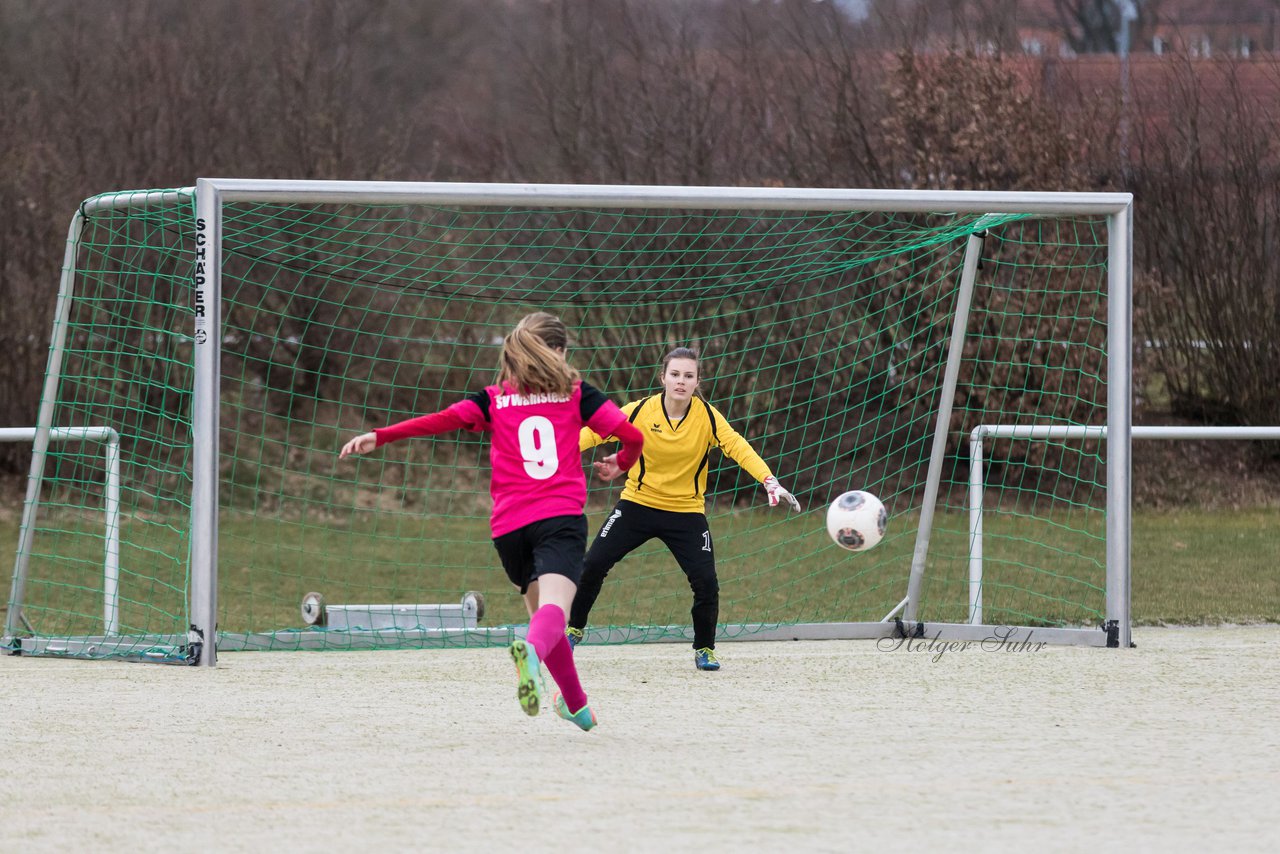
[537, 467]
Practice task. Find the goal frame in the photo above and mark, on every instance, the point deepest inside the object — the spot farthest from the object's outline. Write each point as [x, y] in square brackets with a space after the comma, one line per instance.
[977, 483]
[110, 440]
[211, 194]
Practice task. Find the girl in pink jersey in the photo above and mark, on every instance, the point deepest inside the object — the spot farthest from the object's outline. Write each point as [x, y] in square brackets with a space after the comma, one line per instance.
[534, 416]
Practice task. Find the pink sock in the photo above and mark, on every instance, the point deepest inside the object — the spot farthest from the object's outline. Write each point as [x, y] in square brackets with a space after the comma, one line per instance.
[565, 672]
[546, 629]
[546, 634]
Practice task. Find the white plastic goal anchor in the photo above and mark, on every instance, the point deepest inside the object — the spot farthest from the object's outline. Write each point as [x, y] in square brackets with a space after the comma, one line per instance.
[464, 615]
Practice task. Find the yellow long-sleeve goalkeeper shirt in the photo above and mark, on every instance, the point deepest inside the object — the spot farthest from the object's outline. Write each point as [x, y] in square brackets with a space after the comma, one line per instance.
[672, 471]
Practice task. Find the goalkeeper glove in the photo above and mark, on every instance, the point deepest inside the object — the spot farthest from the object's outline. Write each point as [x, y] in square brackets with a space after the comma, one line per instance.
[778, 494]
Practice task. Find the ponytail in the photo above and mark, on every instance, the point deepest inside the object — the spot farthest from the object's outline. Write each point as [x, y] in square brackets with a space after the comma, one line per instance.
[530, 361]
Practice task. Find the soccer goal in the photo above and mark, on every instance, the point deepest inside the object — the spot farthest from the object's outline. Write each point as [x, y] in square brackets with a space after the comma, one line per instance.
[233, 334]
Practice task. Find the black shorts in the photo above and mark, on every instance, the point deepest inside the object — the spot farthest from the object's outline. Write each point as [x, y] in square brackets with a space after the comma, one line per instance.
[547, 547]
[631, 525]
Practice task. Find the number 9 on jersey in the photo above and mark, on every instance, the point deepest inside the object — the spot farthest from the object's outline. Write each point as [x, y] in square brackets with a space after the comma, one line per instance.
[538, 447]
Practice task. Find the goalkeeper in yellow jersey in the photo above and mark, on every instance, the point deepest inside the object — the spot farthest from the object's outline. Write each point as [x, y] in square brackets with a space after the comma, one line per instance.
[665, 496]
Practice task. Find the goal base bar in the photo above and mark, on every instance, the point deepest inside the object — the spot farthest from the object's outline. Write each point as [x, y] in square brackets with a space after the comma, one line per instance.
[992, 635]
[174, 649]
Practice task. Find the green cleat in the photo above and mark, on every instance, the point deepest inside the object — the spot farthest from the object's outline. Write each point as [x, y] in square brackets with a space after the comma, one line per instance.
[574, 636]
[529, 687]
[584, 719]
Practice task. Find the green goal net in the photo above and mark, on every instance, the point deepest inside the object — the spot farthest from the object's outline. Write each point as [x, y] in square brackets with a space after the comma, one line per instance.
[825, 337]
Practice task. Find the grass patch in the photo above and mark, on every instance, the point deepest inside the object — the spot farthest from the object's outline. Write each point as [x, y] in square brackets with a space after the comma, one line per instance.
[1188, 567]
[1197, 567]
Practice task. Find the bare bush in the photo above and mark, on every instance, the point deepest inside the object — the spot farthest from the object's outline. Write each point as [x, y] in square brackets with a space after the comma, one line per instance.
[622, 91]
[1209, 185]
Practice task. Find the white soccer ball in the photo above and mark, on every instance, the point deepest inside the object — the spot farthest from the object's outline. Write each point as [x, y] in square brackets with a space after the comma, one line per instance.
[857, 520]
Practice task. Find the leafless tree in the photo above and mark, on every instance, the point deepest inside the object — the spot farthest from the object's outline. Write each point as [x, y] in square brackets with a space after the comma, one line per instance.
[1209, 188]
[1094, 26]
[227, 87]
[900, 93]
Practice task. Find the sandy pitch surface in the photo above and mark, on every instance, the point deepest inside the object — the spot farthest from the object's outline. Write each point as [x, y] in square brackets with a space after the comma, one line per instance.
[816, 746]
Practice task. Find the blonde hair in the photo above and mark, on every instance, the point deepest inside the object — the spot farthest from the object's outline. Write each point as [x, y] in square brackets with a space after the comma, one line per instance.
[530, 363]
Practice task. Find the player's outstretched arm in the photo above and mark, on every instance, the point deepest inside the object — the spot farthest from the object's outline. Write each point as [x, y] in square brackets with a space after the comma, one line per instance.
[589, 438]
[740, 451]
[777, 494]
[612, 466]
[362, 444]
[463, 415]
